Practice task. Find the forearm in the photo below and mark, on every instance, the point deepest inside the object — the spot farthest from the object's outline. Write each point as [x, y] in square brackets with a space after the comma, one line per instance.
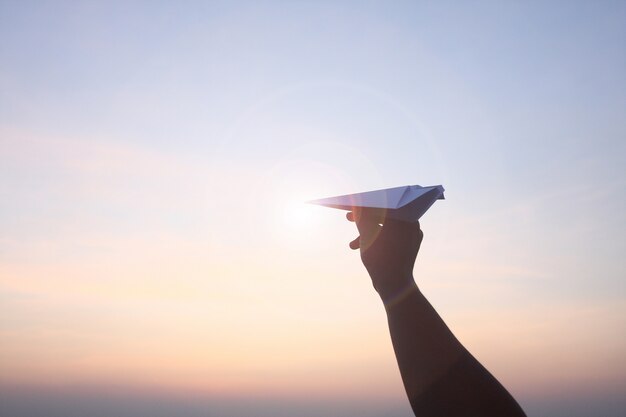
[439, 375]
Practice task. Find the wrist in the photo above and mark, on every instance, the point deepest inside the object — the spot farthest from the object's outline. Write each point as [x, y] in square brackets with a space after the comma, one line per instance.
[392, 295]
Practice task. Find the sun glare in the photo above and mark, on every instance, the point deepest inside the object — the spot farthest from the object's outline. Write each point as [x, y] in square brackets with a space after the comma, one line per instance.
[298, 215]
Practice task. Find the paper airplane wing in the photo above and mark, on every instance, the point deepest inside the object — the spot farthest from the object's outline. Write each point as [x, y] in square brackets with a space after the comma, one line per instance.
[407, 203]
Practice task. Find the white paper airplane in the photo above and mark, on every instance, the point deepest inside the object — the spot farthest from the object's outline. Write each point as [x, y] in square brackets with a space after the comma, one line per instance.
[406, 203]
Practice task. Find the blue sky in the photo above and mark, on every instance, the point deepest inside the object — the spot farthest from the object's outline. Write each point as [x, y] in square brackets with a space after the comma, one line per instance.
[148, 152]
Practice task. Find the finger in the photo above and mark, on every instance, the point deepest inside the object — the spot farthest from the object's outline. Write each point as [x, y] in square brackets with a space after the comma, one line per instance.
[401, 228]
[369, 229]
[365, 222]
[397, 231]
[355, 214]
[395, 226]
[356, 243]
[418, 230]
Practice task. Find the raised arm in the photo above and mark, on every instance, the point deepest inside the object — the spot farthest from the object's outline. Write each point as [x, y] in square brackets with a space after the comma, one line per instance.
[440, 376]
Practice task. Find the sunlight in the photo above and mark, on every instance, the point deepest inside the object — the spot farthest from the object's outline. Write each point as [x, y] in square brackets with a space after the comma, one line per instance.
[299, 215]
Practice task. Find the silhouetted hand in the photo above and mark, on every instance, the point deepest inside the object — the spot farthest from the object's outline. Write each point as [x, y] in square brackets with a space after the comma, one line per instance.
[388, 251]
[440, 376]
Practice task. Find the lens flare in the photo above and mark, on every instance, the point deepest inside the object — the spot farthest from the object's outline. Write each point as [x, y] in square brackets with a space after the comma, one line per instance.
[298, 215]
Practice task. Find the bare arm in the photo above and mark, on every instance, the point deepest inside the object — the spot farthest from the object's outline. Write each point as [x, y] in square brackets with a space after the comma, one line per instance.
[440, 376]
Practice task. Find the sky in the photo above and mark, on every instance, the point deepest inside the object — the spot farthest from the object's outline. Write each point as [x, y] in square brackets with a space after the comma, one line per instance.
[156, 253]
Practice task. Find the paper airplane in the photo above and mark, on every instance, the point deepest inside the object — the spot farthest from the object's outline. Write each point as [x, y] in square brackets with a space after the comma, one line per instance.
[406, 203]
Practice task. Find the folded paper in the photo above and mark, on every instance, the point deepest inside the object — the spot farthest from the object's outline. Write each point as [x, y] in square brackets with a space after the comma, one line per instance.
[407, 203]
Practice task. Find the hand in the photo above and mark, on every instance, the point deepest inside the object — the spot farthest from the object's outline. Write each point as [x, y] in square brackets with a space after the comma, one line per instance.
[388, 251]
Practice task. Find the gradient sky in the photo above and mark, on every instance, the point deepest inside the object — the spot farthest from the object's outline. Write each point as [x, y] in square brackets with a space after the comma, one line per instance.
[154, 160]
